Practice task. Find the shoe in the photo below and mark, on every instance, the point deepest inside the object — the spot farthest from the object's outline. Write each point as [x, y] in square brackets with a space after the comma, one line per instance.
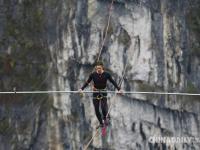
[101, 125]
[108, 117]
[106, 122]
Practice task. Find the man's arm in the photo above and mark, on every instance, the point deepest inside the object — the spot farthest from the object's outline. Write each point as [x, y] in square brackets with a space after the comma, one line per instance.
[87, 82]
[113, 82]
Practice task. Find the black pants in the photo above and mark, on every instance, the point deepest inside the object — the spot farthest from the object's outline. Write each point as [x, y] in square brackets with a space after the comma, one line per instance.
[100, 99]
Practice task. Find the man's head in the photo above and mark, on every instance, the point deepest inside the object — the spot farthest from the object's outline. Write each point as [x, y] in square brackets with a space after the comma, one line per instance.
[99, 67]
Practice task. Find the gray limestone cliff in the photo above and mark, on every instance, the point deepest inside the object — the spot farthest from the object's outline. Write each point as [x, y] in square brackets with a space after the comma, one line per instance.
[53, 45]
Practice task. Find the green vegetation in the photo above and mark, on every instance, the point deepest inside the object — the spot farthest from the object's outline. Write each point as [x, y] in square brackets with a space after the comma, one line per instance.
[26, 50]
[46, 103]
[190, 100]
[26, 65]
[4, 126]
[146, 87]
[191, 88]
[124, 38]
[193, 21]
[196, 50]
[193, 18]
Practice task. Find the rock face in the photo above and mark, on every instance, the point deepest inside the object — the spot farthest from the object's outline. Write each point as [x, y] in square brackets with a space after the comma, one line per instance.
[52, 45]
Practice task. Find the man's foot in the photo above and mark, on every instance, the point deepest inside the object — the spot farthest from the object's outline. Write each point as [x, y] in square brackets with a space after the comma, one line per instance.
[103, 131]
[100, 126]
[106, 121]
[108, 117]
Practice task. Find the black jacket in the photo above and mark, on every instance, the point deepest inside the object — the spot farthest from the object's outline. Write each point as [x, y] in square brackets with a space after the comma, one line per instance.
[100, 80]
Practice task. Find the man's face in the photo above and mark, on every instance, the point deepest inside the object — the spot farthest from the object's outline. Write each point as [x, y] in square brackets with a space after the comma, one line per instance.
[99, 69]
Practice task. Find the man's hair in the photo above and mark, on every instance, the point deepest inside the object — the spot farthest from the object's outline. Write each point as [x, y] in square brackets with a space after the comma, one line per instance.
[99, 63]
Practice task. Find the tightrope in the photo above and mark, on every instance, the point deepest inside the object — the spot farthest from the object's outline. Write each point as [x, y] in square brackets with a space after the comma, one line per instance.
[112, 92]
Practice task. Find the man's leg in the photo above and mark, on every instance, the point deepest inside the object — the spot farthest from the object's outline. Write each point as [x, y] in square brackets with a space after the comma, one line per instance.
[104, 107]
[96, 107]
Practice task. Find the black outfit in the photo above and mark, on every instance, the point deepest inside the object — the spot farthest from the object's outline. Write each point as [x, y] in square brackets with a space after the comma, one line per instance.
[100, 81]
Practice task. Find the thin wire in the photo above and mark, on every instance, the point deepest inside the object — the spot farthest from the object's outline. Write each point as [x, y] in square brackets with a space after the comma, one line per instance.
[96, 133]
[106, 33]
[114, 92]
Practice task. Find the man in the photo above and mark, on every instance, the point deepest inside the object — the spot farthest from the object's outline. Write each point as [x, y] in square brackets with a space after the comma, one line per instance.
[99, 78]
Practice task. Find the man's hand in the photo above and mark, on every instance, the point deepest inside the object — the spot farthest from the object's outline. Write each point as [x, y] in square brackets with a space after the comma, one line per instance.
[120, 92]
[81, 92]
[93, 88]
